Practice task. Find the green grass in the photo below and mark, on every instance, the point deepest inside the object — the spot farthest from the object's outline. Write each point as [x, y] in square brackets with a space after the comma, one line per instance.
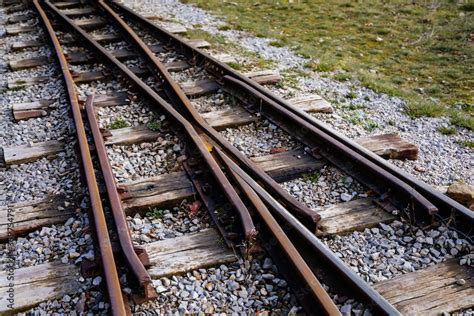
[155, 213]
[467, 143]
[220, 43]
[311, 176]
[118, 123]
[154, 125]
[445, 130]
[421, 51]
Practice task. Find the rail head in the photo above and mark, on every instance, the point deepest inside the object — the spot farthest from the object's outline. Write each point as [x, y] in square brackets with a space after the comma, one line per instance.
[111, 275]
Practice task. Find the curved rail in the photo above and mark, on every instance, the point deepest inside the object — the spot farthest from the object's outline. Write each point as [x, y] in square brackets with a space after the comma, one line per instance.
[321, 252]
[103, 239]
[200, 147]
[309, 217]
[118, 213]
[458, 216]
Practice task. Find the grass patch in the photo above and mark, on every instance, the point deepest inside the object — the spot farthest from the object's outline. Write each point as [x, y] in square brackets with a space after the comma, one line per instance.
[467, 143]
[219, 42]
[462, 119]
[235, 66]
[154, 125]
[311, 176]
[155, 213]
[118, 123]
[369, 41]
[445, 130]
[276, 44]
[342, 76]
[416, 109]
[351, 95]
[356, 106]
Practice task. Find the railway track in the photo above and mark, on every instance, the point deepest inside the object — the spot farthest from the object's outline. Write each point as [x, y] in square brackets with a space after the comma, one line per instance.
[158, 121]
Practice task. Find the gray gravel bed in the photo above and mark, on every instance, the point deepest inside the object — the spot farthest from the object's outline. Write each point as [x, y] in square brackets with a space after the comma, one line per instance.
[259, 138]
[106, 87]
[443, 157]
[69, 243]
[40, 71]
[39, 179]
[89, 300]
[324, 187]
[133, 114]
[115, 45]
[134, 62]
[158, 224]
[190, 75]
[383, 252]
[146, 159]
[168, 57]
[54, 126]
[242, 287]
[30, 53]
[215, 102]
[87, 68]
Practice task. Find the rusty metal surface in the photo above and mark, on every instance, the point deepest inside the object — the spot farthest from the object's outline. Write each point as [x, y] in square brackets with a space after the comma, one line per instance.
[321, 255]
[179, 99]
[452, 212]
[118, 213]
[376, 178]
[308, 287]
[200, 148]
[105, 248]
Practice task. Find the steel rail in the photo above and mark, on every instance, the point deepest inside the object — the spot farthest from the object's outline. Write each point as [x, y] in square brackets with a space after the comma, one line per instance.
[316, 248]
[448, 209]
[179, 98]
[111, 276]
[376, 178]
[118, 213]
[201, 149]
[314, 297]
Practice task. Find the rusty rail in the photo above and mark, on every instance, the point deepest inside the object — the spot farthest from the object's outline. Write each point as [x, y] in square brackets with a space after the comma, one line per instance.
[319, 295]
[325, 257]
[181, 101]
[118, 213]
[307, 286]
[103, 239]
[449, 210]
[200, 147]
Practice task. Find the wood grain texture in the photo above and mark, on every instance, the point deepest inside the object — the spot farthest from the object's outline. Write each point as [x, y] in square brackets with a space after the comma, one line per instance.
[163, 190]
[233, 117]
[21, 218]
[24, 111]
[169, 189]
[113, 99]
[349, 216]
[16, 46]
[131, 135]
[312, 104]
[389, 146]
[190, 252]
[431, 291]
[26, 82]
[16, 29]
[200, 87]
[199, 43]
[36, 284]
[28, 63]
[25, 153]
[76, 12]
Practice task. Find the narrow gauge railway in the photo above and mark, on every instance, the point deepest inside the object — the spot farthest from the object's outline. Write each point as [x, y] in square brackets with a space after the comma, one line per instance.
[98, 43]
